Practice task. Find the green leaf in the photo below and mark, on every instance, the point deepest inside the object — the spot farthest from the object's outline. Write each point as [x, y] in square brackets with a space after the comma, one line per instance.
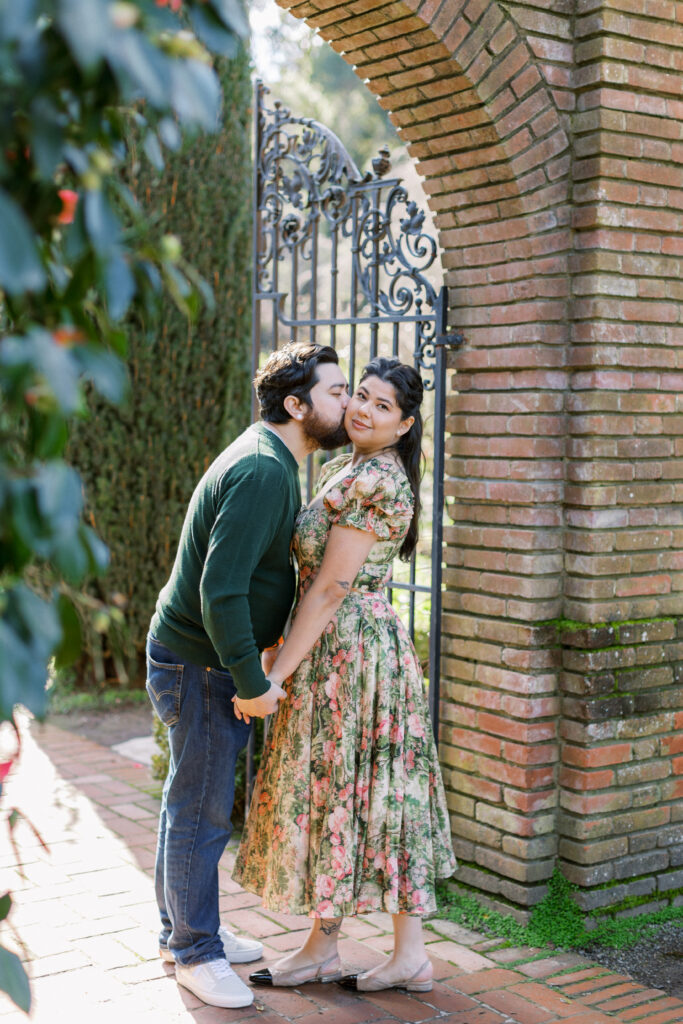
[101, 222]
[59, 497]
[119, 286]
[5, 904]
[97, 549]
[153, 151]
[143, 71]
[21, 269]
[86, 27]
[49, 434]
[29, 633]
[71, 559]
[169, 133]
[46, 135]
[16, 18]
[14, 980]
[105, 370]
[42, 360]
[212, 33]
[196, 94]
[231, 14]
[70, 645]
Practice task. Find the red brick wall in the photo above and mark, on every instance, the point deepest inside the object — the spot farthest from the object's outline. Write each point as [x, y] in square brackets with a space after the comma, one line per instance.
[551, 147]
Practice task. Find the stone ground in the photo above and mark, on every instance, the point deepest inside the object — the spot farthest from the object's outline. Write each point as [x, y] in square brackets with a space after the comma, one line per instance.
[85, 923]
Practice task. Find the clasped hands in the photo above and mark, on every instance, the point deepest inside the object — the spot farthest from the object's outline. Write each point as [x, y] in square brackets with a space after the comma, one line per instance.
[258, 707]
[266, 703]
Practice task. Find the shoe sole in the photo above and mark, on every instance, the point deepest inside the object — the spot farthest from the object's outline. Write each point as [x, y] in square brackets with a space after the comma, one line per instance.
[225, 1004]
[246, 957]
[323, 979]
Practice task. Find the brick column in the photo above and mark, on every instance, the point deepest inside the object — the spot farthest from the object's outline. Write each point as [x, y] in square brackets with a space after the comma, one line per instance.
[621, 783]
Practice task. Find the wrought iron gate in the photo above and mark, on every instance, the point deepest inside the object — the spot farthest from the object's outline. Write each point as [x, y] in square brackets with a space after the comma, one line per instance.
[341, 258]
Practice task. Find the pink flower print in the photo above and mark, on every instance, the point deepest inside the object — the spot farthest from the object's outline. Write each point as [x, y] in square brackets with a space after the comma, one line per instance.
[302, 822]
[363, 793]
[339, 861]
[410, 760]
[338, 819]
[346, 792]
[415, 726]
[324, 886]
[380, 862]
[320, 787]
[278, 832]
[325, 909]
[332, 688]
[397, 733]
[392, 866]
[379, 609]
[419, 898]
[339, 657]
[383, 727]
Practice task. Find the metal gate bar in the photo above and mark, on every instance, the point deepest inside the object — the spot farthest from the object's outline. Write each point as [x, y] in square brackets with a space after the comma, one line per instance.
[308, 196]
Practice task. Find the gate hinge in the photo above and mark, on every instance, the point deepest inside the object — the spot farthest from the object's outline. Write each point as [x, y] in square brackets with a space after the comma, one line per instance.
[451, 340]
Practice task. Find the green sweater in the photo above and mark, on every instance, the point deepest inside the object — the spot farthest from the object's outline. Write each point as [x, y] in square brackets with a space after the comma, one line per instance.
[232, 584]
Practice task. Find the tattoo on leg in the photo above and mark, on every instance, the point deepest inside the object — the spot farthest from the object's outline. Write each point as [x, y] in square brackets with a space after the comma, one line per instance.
[344, 584]
[330, 925]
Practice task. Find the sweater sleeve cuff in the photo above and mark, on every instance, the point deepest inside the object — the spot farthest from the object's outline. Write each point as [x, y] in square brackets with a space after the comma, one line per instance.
[249, 677]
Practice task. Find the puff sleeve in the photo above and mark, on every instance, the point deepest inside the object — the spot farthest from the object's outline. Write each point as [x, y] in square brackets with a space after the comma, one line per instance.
[374, 497]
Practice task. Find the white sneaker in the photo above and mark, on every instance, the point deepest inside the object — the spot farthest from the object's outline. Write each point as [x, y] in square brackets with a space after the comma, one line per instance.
[237, 949]
[215, 983]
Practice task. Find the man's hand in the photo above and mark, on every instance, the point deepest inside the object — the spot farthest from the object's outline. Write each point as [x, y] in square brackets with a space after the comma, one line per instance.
[258, 707]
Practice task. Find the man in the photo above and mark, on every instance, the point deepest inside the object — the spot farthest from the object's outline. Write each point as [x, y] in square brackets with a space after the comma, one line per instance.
[227, 599]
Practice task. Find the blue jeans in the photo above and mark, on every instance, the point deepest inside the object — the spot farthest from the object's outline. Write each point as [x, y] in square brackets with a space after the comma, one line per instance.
[204, 739]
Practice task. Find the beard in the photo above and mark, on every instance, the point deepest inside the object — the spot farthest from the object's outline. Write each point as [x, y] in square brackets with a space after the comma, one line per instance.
[322, 434]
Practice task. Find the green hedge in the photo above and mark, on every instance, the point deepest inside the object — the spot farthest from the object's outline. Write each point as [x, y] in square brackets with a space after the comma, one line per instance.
[190, 385]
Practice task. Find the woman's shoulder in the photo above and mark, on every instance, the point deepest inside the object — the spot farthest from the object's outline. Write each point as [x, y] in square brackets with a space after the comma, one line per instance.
[331, 467]
[379, 480]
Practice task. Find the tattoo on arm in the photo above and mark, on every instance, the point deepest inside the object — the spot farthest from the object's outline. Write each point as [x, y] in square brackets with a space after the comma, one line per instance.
[344, 584]
[330, 925]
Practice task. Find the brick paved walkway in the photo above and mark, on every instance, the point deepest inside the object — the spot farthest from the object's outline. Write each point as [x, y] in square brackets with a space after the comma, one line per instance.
[86, 914]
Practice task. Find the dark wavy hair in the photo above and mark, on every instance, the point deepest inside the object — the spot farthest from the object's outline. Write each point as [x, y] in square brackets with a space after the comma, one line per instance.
[407, 384]
[292, 370]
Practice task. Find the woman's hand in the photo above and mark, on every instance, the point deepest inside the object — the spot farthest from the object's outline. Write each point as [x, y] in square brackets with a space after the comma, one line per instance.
[268, 658]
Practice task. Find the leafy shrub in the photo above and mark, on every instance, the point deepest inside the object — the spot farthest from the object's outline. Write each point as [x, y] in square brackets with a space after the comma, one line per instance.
[76, 254]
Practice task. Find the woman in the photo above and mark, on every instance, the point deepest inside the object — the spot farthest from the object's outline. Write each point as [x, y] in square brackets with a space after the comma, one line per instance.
[348, 814]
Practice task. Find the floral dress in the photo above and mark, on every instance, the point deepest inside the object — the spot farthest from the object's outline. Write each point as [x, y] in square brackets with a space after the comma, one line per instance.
[348, 814]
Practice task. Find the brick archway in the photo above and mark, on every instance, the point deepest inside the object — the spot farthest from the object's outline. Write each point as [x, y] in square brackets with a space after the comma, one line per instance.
[525, 124]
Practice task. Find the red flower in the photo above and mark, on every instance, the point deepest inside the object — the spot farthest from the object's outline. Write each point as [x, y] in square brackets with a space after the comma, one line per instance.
[68, 336]
[69, 200]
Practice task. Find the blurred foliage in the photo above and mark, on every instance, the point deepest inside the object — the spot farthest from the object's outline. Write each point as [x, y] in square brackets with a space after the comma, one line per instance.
[76, 254]
[189, 383]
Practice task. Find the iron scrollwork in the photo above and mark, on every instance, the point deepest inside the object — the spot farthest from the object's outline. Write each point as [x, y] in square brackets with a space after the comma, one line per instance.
[307, 181]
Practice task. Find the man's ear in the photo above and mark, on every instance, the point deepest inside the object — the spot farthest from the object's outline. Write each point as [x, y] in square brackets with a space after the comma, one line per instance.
[294, 406]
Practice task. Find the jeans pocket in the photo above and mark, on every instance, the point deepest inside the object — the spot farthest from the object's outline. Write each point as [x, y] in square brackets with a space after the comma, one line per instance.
[164, 683]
